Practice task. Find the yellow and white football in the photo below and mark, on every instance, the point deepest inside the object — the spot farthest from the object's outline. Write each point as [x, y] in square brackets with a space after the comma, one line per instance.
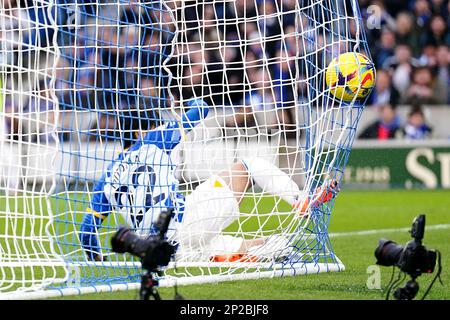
[350, 74]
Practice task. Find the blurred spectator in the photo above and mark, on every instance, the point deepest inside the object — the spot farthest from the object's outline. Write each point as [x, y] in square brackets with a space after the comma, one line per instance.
[235, 12]
[134, 120]
[291, 43]
[385, 48]
[38, 115]
[256, 45]
[387, 126]
[12, 15]
[11, 120]
[232, 74]
[260, 97]
[63, 82]
[428, 56]
[443, 69]
[384, 92]
[289, 14]
[283, 72]
[210, 31]
[400, 66]
[406, 33]
[268, 24]
[148, 96]
[258, 102]
[438, 33]
[416, 128]
[267, 18]
[135, 13]
[422, 13]
[39, 16]
[439, 7]
[85, 81]
[243, 8]
[425, 89]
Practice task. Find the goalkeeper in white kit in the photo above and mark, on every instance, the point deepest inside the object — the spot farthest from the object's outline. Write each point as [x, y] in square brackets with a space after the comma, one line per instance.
[141, 183]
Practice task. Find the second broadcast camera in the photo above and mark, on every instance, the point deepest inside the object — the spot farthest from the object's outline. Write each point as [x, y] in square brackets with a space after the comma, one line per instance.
[413, 259]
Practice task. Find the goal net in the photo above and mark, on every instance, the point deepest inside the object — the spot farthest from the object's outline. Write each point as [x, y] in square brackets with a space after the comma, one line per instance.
[83, 80]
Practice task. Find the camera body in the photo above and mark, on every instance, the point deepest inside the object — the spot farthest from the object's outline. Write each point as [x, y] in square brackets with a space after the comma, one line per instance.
[413, 259]
[417, 259]
[154, 251]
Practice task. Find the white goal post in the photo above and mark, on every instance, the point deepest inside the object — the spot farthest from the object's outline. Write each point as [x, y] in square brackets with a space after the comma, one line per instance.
[82, 80]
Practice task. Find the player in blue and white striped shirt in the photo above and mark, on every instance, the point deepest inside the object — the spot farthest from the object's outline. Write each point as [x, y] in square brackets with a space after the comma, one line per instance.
[141, 182]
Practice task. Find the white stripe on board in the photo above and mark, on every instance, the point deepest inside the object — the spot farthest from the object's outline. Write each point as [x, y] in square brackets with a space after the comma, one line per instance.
[378, 231]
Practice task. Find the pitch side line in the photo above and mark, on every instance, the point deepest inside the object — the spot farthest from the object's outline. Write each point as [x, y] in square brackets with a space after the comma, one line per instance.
[378, 231]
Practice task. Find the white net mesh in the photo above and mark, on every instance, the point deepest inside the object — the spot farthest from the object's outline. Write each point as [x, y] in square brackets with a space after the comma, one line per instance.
[82, 81]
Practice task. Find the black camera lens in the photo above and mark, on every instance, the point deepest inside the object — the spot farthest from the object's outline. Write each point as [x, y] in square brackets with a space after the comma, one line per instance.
[388, 253]
[126, 241]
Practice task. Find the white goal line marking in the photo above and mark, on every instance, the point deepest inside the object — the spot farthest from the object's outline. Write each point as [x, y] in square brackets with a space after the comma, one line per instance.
[392, 230]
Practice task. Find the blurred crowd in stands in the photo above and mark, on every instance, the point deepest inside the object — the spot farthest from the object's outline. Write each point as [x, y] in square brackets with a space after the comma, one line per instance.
[411, 50]
[113, 66]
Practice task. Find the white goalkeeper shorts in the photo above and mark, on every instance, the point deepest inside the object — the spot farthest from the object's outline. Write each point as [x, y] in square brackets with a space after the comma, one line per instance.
[209, 209]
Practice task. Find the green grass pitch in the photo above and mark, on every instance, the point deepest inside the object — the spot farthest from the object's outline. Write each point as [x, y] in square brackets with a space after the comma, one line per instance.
[354, 211]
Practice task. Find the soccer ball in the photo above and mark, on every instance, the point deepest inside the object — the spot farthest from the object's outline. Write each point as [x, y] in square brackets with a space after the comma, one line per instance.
[349, 75]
